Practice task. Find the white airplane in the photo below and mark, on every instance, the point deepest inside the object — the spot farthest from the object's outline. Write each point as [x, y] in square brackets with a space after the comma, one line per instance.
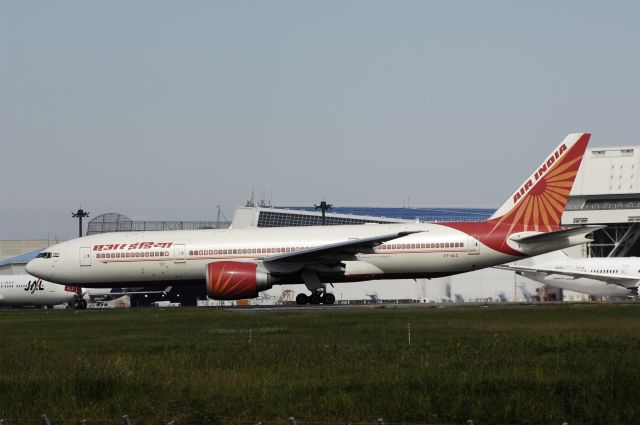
[601, 277]
[25, 290]
[239, 263]
[29, 291]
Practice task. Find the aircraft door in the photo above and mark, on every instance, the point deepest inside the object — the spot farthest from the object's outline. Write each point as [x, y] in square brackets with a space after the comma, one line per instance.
[85, 256]
[179, 253]
[473, 245]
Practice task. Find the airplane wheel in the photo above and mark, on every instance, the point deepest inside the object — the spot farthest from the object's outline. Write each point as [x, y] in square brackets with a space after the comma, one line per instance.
[315, 298]
[302, 299]
[83, 304]
[329, 299]
[76, 304]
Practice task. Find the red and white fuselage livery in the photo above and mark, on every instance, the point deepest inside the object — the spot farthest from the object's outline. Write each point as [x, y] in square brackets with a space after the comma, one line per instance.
[239, 263]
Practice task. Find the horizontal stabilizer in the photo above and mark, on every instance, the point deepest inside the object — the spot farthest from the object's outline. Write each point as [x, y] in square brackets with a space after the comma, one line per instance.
[553, 236]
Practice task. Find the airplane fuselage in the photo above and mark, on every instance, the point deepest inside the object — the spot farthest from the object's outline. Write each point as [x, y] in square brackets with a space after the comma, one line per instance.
[174, 257]
[605, 268]
[25, 290]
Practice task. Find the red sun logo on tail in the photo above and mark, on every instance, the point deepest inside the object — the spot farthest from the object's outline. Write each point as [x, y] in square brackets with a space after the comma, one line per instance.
[538, 204]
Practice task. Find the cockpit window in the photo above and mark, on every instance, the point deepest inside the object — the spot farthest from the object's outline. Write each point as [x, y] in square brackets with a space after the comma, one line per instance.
[44, 255]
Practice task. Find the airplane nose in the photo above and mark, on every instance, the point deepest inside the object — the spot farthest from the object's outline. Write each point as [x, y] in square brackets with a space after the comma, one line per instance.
[36, 268]
[29, 267]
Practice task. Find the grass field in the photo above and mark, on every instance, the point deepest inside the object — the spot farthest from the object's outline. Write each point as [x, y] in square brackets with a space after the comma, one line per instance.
[535, 365]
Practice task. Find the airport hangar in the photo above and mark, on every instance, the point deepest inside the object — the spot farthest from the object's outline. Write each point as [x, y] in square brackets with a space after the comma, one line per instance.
[606, 191]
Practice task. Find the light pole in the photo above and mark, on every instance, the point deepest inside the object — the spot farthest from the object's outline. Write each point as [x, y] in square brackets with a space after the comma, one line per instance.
[79, 214]
[323, 207]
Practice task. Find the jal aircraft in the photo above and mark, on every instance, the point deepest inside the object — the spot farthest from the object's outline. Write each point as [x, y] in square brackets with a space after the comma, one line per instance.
[600, 277]
[239, 263]
[25, 290]
[29, 291]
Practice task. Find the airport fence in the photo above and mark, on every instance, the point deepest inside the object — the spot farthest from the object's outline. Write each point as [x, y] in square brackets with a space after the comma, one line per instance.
[126, 420]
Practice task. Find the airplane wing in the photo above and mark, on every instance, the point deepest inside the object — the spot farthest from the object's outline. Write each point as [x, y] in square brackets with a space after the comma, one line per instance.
[119, 292]
[335, 251]
[164, 291]
[618, 279]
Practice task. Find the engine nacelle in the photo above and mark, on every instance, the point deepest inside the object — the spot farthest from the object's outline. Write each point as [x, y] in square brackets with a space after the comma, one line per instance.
[235, 280]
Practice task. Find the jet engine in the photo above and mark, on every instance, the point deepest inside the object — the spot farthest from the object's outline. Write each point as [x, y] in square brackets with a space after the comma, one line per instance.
[234, 280]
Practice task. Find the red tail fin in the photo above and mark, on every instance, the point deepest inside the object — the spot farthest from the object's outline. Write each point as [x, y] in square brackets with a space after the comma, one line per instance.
[539, 202]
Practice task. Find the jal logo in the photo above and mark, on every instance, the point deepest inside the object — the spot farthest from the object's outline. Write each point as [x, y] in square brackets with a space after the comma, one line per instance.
[34, 286]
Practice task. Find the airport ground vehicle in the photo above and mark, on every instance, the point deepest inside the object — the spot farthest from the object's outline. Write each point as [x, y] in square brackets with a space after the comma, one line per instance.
[240, 263]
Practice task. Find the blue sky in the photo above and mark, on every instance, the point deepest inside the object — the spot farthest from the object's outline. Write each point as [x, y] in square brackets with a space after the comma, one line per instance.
[162, 110]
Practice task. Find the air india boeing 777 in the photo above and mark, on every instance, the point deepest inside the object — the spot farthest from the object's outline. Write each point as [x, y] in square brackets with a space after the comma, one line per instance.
[239, 263]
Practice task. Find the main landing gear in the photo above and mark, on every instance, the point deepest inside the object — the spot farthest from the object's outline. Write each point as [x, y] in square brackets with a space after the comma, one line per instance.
[319, 294]
[79, 304]
[316, 298]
